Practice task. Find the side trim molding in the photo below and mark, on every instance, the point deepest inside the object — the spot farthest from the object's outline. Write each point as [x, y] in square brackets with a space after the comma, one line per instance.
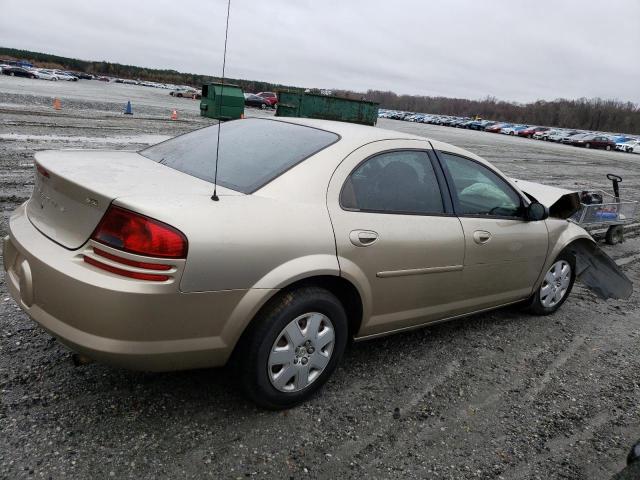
[418, 271]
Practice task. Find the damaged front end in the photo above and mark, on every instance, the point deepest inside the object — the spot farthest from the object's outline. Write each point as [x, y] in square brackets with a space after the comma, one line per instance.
[560, 202]
[599, 272]
[594, 268]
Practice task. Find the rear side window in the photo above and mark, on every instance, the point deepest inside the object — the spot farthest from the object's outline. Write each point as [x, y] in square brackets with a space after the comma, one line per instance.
[479, 191]
[252, 151]
[394, 182]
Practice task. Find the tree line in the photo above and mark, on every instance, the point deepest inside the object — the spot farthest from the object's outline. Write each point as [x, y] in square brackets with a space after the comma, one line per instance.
[104, 68]
[583, 113]
[588, 114]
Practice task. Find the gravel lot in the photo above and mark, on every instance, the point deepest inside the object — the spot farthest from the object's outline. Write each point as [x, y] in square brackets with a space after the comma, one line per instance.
[498, 395]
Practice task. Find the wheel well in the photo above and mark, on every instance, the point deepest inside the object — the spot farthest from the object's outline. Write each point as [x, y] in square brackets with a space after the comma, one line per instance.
[344, 291]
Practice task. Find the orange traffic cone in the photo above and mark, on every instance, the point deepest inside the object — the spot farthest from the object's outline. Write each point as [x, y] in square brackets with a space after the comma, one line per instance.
[174, 115]
[57, 104]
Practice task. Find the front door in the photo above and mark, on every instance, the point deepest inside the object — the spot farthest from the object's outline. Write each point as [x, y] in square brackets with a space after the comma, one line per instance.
[504, 253]
[396, 234]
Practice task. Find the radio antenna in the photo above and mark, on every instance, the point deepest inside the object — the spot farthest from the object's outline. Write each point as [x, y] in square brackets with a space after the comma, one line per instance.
[215, 197]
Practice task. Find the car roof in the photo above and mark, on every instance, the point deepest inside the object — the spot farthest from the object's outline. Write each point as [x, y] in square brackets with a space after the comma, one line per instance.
[361, 133]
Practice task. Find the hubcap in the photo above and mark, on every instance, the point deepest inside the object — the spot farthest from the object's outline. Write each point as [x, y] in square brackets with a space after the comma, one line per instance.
[301, 352]
[556, 283]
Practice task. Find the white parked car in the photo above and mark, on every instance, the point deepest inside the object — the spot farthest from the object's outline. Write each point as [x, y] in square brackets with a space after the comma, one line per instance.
[509, 130]
[632, 146]
[546, 135]
[44, 74]
[64, 76]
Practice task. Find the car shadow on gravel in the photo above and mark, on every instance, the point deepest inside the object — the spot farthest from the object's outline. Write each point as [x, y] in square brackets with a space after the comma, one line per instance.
[214, 390]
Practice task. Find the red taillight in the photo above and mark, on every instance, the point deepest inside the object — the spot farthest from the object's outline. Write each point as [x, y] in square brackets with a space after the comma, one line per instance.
[134, 233]
[42, 171]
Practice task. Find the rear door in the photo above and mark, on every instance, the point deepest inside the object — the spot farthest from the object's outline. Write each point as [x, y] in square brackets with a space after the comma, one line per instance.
[504, 253]
[397, 237]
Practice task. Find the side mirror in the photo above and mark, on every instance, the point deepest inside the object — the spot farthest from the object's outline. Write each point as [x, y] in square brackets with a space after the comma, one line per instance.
[536, 212]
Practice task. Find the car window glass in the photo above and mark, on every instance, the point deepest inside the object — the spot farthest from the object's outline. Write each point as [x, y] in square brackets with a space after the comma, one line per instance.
[394, 182]
[480, 191]
[252, 151]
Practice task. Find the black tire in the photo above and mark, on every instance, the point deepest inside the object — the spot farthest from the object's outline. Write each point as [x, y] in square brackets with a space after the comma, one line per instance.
[587, 145]
[614, 235]
[263, 106]
[251, 356]
[534, 304]
[608, 147]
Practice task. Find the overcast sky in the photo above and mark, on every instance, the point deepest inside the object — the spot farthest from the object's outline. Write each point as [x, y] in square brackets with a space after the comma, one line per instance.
[514, 50]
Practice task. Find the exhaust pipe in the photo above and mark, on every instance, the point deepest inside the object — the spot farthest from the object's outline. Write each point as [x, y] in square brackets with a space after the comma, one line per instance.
[79, 359]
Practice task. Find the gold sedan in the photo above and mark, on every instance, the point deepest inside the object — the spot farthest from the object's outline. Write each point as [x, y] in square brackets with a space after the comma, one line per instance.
[322, 232]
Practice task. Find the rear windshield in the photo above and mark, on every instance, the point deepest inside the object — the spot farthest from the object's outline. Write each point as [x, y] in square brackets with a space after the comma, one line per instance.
[252, 151]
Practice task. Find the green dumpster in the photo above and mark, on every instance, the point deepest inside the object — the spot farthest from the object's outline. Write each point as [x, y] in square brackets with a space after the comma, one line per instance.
[222, 103]
[311, 105]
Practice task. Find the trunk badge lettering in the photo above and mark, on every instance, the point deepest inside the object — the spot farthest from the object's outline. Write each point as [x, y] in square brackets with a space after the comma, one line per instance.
[44, 198]
[92, 202]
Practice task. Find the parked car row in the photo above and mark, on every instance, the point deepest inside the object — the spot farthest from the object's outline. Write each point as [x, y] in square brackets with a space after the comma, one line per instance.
[577, 138]
[42, 73]
[26, 69]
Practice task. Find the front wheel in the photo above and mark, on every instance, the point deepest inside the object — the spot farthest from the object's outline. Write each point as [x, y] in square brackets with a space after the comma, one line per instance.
[556, 286]
[587, 145]
[292, 347]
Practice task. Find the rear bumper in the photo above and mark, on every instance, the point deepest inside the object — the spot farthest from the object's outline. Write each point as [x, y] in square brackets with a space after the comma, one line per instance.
[124, 322]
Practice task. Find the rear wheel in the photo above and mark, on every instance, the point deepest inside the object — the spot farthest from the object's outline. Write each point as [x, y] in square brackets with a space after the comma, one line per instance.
[608, 147]
[556, 286]
[292, 348]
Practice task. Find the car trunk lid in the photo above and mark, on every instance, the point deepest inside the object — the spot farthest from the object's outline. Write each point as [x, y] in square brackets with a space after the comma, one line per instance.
[74, 188]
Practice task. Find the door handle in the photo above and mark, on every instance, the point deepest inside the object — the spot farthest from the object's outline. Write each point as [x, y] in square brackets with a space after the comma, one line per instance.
[481, 237]
[363, 238]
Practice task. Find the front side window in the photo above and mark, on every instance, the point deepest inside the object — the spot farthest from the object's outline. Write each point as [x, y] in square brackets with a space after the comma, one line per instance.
[394, 182]
[480, 191]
